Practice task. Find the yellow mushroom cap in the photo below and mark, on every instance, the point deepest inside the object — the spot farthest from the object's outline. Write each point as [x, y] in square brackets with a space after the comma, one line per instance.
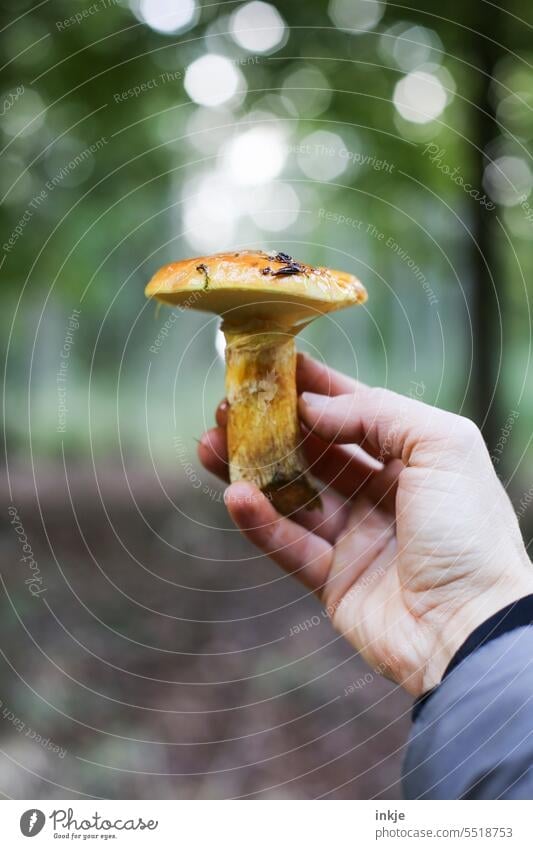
[255, 286]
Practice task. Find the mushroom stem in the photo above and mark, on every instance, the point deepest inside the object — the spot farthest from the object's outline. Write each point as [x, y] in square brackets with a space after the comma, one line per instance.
[263, 429]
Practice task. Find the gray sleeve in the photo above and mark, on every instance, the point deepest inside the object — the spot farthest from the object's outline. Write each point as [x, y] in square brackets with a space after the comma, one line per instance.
[473, 739]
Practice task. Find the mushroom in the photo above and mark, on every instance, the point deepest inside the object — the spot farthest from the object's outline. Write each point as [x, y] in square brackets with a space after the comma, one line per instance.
[264, 300]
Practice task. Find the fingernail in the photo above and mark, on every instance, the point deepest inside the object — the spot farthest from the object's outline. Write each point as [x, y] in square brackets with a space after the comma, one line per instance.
[235, 497]
[232, 497]
[311, 399]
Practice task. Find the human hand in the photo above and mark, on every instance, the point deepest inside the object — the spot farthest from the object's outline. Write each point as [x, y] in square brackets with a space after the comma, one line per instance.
[417, 542]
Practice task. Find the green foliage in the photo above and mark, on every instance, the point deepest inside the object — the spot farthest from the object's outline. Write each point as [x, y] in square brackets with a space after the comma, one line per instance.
[397, 214]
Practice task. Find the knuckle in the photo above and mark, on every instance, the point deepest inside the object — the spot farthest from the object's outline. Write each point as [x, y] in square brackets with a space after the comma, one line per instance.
[467, 431]
[378, 397]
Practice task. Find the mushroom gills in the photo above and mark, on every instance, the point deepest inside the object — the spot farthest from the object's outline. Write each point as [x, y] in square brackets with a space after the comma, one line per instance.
[264, 437]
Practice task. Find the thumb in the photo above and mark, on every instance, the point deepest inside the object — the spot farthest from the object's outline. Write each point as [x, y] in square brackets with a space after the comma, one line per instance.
[387, 425]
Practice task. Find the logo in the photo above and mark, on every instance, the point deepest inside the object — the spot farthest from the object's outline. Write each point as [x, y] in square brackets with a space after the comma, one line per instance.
[32, 822]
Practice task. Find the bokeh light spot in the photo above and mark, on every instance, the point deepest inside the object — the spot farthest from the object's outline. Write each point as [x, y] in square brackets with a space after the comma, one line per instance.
[508, 180]
[258, 27]
[167, 16]
[322, 155]
[420, 97]
[256, 155]
[275, 207]
[212, 80]
[410, 46]
[308, 91]
[356, 15]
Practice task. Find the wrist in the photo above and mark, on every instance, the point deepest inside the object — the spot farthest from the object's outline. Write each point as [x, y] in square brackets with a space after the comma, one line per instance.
[453, 628]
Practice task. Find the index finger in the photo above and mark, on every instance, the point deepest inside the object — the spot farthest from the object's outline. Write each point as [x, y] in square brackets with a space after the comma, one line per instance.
[389, 426]
[313, 376]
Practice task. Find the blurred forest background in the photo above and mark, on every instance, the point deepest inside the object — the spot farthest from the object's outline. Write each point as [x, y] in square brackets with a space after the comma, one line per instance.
[161, 655]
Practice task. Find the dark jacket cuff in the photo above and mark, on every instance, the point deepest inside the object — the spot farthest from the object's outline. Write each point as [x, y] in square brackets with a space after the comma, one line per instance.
[514, 615]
